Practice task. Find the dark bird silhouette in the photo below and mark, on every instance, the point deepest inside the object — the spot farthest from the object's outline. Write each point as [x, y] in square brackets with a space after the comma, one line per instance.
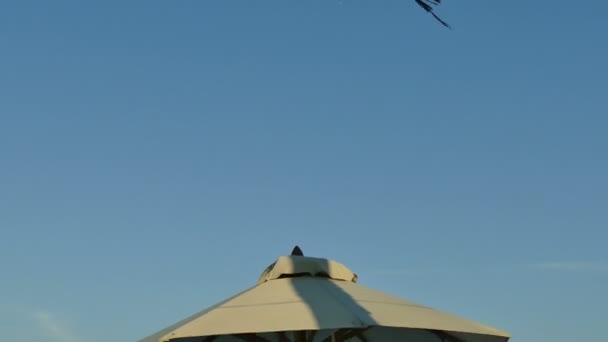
[297, 251]
[427, 5]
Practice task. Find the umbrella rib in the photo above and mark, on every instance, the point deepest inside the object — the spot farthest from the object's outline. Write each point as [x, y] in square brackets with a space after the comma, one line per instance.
[445, 337]
[356, 333]
[282, 337]
[345, 334]
[300, 336]
[252, 338]
[340, 334]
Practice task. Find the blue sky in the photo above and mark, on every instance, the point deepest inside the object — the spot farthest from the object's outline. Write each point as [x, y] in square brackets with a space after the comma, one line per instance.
[155, 156]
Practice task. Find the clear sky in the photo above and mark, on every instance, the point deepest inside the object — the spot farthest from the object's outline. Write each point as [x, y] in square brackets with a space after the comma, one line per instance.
[155, 156]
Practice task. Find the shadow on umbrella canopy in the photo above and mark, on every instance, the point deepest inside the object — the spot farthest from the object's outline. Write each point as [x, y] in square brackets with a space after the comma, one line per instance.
[305, 299]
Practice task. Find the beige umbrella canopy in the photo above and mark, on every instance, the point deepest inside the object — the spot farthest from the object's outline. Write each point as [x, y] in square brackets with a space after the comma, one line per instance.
[304, 299]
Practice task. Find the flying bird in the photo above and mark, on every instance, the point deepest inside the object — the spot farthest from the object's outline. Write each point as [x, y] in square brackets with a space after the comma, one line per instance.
[427, 5]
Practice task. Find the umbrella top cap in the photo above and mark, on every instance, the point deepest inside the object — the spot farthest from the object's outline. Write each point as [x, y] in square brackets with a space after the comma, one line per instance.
[297, 265]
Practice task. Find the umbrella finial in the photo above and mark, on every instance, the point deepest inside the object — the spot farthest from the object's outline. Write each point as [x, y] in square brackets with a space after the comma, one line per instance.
[297, 251]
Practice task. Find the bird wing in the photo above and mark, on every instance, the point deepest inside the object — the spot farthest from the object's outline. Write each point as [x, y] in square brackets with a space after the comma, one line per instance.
[427, 5]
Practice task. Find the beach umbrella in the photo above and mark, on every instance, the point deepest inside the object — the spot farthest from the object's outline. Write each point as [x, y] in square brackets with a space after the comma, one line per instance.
[305, 299]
